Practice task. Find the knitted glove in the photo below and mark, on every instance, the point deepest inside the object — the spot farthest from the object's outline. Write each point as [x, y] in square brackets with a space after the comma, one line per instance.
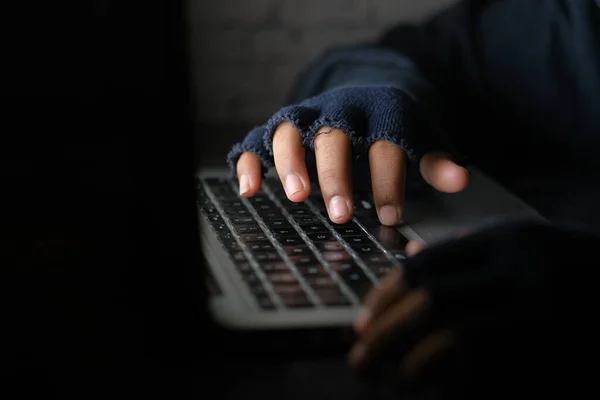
[365, 113]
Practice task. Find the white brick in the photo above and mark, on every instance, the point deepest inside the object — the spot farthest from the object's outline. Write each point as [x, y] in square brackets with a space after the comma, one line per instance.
[324, 13]
[218, 12]
[388, 12]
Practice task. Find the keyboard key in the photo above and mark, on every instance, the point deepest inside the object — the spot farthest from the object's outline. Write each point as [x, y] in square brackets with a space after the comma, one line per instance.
[399, 255]
[358, 240]
[260, 246]
[292, 295]
[381, 270]
[237, 212]
[355, 278]
[269, 267]
[304, 260]
[271, 214]
[321, 237]
[266, 256]
[252, 279]
[300, 301]
[290, 205]
[209, 209]
[260, 199]
[257, 289]
[231, 244]
[390, 237]
[220, 228]
[286, 241]
[288, 289]
[215, 219]
[332, 297]
[226, 197]
[297, 250]
[329, 246]
[284, 232]
[248, 229]
[348, 230]
[315, 228]
[204, 201]
[238, 256]
[313, 270]
[244, 267]
[324, 281]
[367, 248]
[343, 265]
[336, 255]
[263, 205]
[278, 223]
[300, 211]
[232, 204]
[254, 237]
[242, 220]
[278, 278]
[376, 258]
[301, 220]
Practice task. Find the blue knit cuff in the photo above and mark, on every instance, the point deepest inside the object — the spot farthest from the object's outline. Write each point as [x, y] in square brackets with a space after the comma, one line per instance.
[253, 143]
[366, 114]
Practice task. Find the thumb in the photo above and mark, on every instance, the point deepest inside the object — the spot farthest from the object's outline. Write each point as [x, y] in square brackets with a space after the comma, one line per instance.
[442, 173]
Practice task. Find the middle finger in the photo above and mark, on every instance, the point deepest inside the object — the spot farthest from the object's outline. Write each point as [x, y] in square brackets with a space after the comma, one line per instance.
[332, 152]
[388, 176]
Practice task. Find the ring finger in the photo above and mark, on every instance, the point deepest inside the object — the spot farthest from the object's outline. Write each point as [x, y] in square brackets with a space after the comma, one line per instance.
[332, 152]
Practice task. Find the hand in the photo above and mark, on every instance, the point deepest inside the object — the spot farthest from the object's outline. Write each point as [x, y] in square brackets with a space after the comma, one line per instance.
[390, 147]
[491, 291]
[392, 313]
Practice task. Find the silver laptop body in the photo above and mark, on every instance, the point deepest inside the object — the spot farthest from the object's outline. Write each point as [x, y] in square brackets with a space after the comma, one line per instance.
[261, 282]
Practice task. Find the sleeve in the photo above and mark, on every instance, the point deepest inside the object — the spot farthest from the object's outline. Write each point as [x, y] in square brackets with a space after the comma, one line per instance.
[521, 291]
[444, 68]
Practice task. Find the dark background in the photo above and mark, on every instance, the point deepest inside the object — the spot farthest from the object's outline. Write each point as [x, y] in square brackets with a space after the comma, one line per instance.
[245, 55]
[101, 133]
[100, 276]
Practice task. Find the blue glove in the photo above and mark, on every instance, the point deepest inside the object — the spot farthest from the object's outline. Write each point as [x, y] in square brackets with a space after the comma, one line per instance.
[365, 113]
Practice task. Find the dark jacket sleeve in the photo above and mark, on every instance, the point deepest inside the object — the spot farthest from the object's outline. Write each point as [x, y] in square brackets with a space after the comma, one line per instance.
[521, 296]
[482, 66]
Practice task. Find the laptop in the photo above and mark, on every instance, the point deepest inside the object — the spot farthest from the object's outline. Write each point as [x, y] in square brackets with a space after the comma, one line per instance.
[276, 264]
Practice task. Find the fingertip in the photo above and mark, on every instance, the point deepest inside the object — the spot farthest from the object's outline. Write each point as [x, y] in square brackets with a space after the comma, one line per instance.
[444, 174]
[340, 210]
[413, 247]
[363, 318]
[249, 170]
[390, 215]
[297, 186]
[454, 178]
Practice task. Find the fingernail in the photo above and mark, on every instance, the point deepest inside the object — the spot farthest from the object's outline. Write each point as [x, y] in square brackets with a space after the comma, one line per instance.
[388, 215]
[338, 207]
[357, 353]
[244, 184]
[362, 320]
[293, 184]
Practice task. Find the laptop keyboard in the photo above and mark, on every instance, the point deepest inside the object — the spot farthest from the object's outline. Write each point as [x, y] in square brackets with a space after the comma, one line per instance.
[290, 254]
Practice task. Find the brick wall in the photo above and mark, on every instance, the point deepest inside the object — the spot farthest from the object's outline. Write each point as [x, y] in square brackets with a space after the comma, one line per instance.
[246, 53]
